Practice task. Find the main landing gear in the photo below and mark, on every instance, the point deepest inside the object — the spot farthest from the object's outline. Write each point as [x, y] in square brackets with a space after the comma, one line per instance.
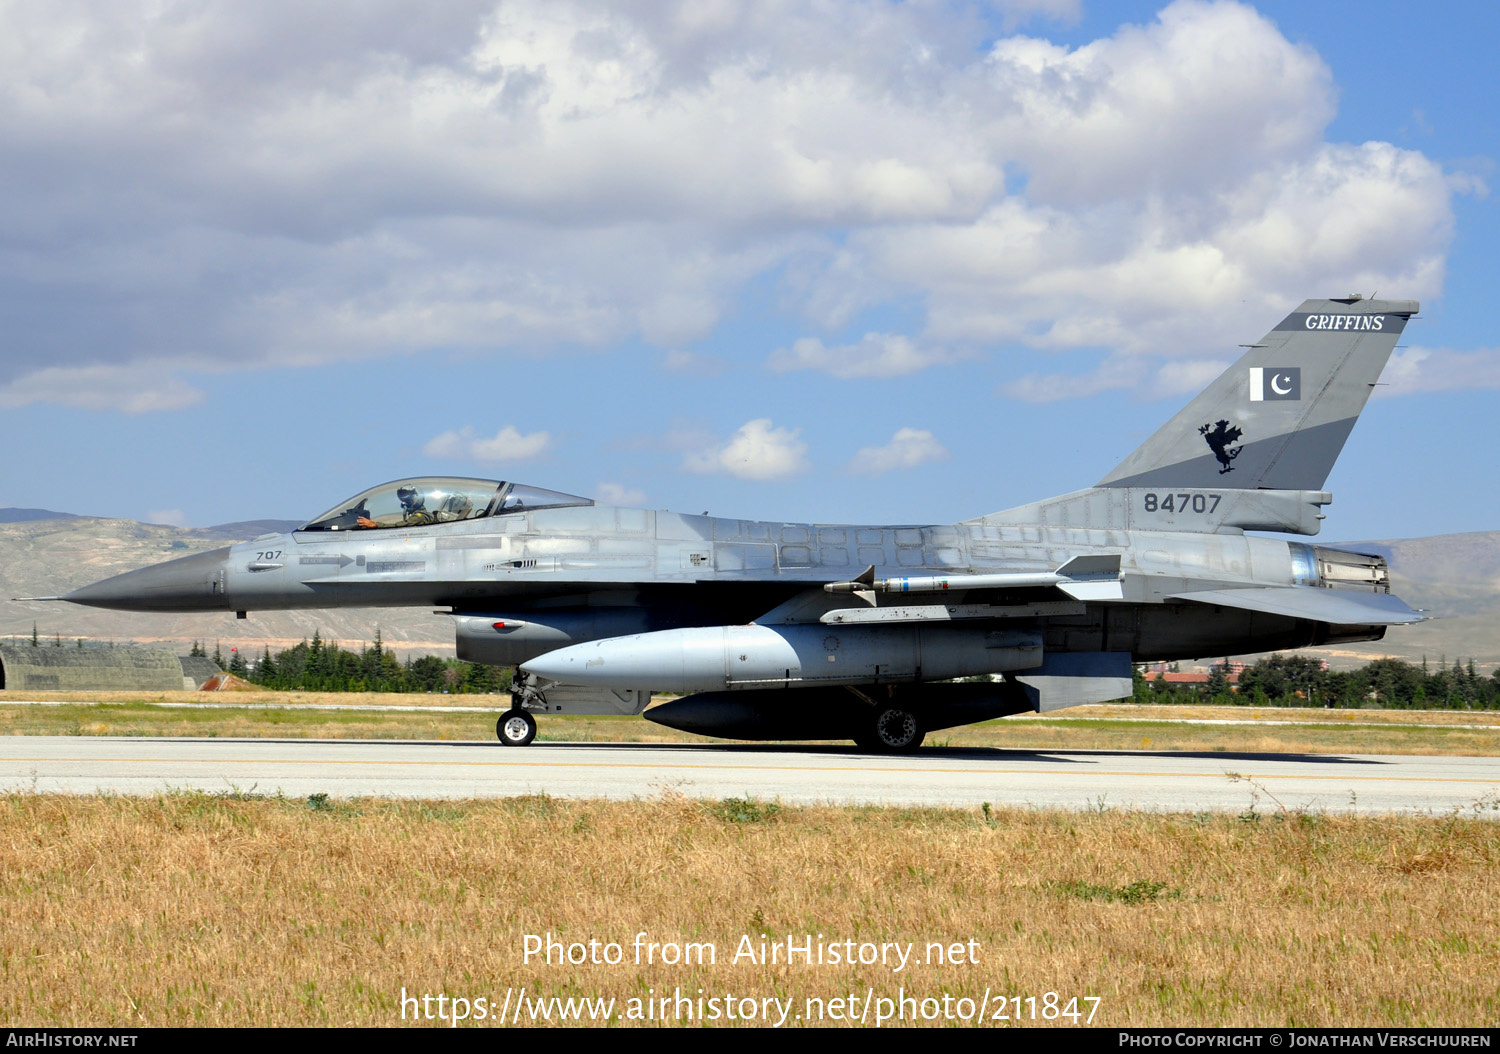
[891, 730]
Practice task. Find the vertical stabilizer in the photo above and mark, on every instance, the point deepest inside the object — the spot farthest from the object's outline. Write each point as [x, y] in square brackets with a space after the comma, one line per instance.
[1278, 418]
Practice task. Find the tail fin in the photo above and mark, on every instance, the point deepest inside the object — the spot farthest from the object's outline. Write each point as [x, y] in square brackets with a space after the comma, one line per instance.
[1278, 418]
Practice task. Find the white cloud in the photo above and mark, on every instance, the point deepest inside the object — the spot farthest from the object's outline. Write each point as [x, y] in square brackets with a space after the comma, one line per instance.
[1165, 281]
[249, 185]
[139, 389]
[1113, 373]
[1118, 373]
[1185, 377]
[908, 448]
[619, 494]
[877, 355]
[757, 451]
[1134, 111]
[1172, 188]
[508, 444]
[1418, 369]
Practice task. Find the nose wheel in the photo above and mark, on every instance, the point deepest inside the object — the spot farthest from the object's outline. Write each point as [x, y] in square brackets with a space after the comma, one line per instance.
[515, 728]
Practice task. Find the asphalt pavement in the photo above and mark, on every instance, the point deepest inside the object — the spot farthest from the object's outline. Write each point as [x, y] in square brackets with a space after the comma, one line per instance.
[1164, 781]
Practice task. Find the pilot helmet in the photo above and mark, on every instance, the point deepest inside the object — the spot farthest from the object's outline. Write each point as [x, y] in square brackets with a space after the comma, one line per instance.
[409, 497]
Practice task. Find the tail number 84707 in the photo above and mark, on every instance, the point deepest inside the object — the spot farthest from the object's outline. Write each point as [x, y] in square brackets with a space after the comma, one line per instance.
[1182, 502]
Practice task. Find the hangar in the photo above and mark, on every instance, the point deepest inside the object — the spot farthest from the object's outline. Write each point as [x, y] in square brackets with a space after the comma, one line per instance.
[95, 669]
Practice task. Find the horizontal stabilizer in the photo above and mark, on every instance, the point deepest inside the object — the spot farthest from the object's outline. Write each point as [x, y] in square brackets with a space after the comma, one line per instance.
[1337, 607]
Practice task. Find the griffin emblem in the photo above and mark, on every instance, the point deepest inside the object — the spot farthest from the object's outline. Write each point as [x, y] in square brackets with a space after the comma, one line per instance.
[1219, 437]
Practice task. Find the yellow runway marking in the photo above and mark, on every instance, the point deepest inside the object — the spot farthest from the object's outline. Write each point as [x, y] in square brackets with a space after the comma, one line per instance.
[729, 770]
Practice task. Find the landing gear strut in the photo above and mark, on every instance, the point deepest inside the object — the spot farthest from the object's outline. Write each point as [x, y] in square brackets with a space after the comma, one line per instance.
[515, 728]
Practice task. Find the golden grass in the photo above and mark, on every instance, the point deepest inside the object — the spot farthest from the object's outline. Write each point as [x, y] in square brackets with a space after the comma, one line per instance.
[1118, 727]
[1127, 734]
[243, 698]
[1266, 714]
[203, 910]
[1106, 711]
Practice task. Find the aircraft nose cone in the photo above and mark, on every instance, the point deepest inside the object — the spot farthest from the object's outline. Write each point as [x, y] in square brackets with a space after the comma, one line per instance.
[193, 583]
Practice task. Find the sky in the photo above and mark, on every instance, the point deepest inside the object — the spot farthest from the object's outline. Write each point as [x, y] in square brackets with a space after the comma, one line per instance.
[848, 261]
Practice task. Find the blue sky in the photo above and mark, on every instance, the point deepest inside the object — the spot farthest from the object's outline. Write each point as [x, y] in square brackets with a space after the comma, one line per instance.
[864, 262]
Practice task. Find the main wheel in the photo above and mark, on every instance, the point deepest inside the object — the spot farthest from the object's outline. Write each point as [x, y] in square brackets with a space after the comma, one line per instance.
[894, 730]
[515, 728]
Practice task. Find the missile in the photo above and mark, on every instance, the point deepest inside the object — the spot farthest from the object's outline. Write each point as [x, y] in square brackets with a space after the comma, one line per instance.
[732, 658]
[1083, 577]
[944, 583]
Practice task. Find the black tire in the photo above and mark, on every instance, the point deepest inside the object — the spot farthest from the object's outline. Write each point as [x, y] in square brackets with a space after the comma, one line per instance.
[894, 730]
[516, 728]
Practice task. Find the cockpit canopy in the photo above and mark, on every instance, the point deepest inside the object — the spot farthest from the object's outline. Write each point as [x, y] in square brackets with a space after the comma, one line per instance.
[436, 499]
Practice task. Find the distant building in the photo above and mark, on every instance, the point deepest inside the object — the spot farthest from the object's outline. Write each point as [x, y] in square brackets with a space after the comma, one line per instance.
[1164, 672]
[197, 669]
[49, 669]
[1181, 678]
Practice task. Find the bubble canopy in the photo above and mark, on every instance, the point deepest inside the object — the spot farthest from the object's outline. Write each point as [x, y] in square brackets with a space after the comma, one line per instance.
[436, 499]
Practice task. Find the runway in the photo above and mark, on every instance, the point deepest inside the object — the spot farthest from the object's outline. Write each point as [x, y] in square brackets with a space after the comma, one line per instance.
[1083, 780]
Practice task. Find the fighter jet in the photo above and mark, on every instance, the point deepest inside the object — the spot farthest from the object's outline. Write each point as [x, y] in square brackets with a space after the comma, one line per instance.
[877, 633]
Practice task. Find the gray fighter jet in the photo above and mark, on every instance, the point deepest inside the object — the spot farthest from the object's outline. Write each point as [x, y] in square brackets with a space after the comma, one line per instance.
[812, 631]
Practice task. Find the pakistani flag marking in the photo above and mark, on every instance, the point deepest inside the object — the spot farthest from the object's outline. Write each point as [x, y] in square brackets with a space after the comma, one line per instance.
[1275, 384]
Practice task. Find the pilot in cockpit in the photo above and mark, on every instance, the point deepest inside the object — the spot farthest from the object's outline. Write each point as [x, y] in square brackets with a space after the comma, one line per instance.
[414, 507]
[413, 510]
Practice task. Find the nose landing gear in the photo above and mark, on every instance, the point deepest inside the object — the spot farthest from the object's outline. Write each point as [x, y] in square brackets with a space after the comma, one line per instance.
[516, 728]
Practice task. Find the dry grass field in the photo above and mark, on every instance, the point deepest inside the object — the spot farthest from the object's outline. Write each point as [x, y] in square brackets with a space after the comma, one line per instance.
[204, 910]
[240, 910]
[1115, 727]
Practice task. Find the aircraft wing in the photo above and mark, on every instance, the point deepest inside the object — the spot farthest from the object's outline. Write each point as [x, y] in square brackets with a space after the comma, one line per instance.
[1337, 607]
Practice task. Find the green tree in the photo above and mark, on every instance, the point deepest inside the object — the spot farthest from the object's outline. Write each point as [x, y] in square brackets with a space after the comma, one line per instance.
[315, 668]
[1140, 690]
[427, 674]
[478, 679]
[1284, 680]
[1218, 683]
[1393, 683]
[1335, 689]
[264, 670]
